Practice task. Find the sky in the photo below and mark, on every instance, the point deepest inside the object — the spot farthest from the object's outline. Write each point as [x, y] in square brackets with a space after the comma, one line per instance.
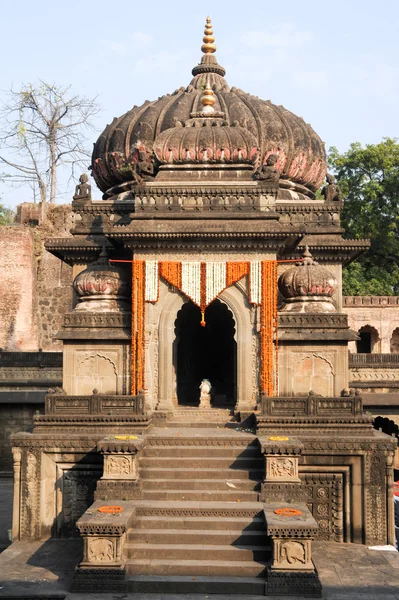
[336, 64]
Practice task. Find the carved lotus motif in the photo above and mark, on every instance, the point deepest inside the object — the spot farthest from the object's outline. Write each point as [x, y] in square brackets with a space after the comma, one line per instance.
[101, 282]
[307, 280]
[308, 287]
[206, 141]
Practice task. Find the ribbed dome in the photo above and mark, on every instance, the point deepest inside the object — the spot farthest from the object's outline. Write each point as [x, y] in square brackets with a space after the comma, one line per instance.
[102, 287]
[270, 128]
[307, 285]
[206, 141]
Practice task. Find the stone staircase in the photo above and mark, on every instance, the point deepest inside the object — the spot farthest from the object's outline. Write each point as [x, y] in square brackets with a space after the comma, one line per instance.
[199, 527]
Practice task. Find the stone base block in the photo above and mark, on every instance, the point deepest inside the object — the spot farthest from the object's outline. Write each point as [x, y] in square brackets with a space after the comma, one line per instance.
[284, 583]
[108, 489]
[99, 580]
[283, 492]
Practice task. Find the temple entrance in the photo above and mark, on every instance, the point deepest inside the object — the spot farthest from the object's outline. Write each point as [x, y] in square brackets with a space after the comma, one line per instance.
[205, 353]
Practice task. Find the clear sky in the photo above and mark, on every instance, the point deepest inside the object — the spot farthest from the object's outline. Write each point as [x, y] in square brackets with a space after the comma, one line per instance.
[333, 63]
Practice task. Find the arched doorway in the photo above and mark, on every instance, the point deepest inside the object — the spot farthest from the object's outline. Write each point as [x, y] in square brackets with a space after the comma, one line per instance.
[369, 340]
[208, 352]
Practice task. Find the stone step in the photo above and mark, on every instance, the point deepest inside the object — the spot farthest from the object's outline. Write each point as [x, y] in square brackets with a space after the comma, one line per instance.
[154, 473]
[194, 568]
[200, 495]
[209, 424]
[182, 451]
[221, 485]
[192, 523]
[153, 584]
[198, 536]
[202, 462]
[196, 552]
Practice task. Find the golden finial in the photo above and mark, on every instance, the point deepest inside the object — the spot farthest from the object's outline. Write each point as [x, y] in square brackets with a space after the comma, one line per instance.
[208, 100]
[208, 47]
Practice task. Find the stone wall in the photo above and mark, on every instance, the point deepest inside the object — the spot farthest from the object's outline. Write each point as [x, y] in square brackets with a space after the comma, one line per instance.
[35, 286]
[14, 418]
[379, 314]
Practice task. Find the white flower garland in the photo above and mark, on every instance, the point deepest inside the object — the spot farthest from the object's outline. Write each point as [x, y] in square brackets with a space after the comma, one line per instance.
[255, 282]
[151, 280]
[191, 281]
[215, 280]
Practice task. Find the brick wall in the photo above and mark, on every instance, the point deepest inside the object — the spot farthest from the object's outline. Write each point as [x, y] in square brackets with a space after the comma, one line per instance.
[35, 286]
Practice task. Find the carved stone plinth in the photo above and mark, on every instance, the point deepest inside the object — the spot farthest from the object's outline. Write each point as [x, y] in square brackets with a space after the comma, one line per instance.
[120, 476]
[103, 540]
[291, 528]
[281, 458]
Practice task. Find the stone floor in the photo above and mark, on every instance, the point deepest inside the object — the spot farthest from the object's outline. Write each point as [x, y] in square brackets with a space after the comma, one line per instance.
[44, 570]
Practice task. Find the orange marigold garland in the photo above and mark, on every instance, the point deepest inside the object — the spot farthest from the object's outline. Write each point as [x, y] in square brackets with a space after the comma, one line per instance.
[268, 326]
[171, 271]
[236, 271]
[138, 312]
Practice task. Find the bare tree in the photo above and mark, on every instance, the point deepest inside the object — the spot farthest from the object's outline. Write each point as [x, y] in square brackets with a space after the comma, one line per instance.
[43, 129]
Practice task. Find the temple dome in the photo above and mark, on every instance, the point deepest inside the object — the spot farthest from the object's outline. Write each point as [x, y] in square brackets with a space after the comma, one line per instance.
[102, 287]
[307, 287]
[259, 123]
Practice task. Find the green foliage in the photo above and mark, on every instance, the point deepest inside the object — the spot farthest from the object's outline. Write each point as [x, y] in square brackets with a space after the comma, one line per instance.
[6, 215]
[369, 179]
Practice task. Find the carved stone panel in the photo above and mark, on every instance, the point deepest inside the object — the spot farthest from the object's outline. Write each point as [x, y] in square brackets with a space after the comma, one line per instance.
[101, 550]
[75, 493]
[292, 555]
[120, 466]
[325, 501]
[97, 365]
[282, 469]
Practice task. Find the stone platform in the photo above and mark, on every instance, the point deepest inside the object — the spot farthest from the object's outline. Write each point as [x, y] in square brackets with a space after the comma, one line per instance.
[44, 570]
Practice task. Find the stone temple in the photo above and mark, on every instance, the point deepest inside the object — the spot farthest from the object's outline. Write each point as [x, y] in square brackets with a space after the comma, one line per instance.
[205, 433]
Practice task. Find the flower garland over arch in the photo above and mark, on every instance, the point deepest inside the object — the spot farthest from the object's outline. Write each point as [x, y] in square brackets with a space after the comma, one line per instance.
[203, 282]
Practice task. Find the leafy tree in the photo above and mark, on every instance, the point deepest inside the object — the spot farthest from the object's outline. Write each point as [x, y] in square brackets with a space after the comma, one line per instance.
[43, 129]
[369, 179]
[6, 215]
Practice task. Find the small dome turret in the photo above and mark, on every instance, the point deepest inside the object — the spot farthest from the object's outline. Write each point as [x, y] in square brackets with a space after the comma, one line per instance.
[307, 287]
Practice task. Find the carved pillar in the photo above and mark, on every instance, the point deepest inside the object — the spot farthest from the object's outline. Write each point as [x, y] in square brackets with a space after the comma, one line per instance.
[292, 529]
[121, 476]
[391, 538]
[17, 456]
[281, 480]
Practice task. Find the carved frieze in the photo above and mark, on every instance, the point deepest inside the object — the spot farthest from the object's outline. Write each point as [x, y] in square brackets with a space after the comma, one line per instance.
[101, 550]
[292, 555]
[281, 469]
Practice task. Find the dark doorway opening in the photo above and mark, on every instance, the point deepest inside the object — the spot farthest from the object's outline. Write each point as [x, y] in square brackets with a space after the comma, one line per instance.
[208, 352]
[363, 346]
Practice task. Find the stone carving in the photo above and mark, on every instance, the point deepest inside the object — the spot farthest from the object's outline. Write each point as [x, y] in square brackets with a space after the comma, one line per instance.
[205, 393]
[268, 171]
[83, 189]
[118, 465]
[282, 468]
[100, 550]
[331, 191]
[143, 169]
[292, 552]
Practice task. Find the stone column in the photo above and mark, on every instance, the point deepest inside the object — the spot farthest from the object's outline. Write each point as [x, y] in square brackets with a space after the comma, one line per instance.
[17, 456]
[281, 481]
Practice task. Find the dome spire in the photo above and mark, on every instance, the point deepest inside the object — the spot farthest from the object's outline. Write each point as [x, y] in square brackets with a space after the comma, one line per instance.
[208, 47]
[209, 65]
[208, 100]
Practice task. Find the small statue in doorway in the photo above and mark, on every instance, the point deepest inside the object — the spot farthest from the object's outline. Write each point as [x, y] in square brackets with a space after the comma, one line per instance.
[331, 191]
[205, 393]
[83, 189]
